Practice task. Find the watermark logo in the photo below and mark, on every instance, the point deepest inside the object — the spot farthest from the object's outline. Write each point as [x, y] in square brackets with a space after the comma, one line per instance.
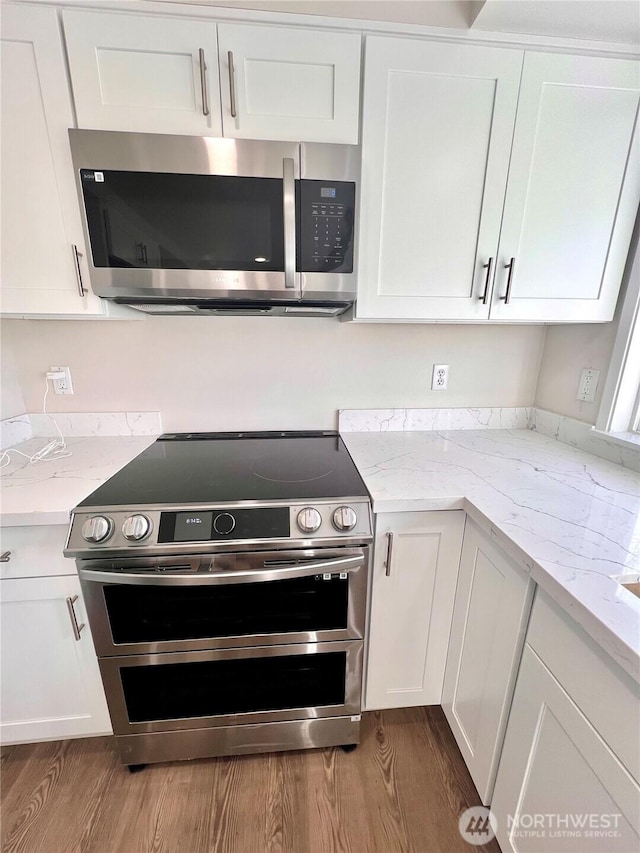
[477, 825]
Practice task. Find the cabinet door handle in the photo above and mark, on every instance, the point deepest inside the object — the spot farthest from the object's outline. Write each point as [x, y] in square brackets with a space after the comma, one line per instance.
[487, 267]
[76, 265]
[203, 83]
[5, 556]
[77, 629]
[387, 563]
[510, 266]
[232, 84]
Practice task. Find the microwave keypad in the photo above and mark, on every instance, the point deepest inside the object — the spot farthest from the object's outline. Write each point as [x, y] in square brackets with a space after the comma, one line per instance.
[326, 233]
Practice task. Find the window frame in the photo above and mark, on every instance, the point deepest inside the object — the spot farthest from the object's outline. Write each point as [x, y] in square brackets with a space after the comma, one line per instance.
[620, 407]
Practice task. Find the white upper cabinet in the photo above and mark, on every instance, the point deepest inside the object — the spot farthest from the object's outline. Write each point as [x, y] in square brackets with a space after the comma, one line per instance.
[299, 85]
[444, 193]
[44, 270]
[436, 136]
[143, 74]
[573, 190]
[160, 75]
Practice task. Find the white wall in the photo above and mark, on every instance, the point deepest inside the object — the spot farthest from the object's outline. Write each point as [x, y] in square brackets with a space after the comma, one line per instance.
[567, 350]
[11, 399]
[270, 373]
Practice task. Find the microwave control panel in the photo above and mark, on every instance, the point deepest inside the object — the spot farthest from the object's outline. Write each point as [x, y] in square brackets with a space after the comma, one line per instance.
[326, 227]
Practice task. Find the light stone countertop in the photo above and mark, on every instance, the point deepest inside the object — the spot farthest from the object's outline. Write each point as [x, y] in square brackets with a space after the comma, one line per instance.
[570, 519]
[44, 492]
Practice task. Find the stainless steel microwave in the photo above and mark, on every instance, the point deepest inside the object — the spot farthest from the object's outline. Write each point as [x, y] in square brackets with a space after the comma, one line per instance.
[197, 225]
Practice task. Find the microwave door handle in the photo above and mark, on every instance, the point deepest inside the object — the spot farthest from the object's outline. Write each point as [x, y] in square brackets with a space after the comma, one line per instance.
[289, 210]
[300, 570]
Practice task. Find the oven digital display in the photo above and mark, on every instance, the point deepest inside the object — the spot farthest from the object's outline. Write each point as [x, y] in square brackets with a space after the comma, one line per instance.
[192, 526]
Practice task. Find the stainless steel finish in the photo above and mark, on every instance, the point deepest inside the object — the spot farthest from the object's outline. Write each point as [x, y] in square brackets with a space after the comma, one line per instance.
[117, 546]
[5, 557]
[203, 82]
[344, 518]
[309, 520]
[193, 155]
[239, 740]
[97, 528]
[289, 208]
[232, 84]
[210, 156]
[387, 562]
[136, 527]
[110, 669]
[488, 266]
[342, 163]
[76, 265]
[77, 629]
[510, 266]
[248, 567]
[214, 576]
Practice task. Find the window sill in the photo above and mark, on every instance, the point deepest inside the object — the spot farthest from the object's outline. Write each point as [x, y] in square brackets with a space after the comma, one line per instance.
[624, 439]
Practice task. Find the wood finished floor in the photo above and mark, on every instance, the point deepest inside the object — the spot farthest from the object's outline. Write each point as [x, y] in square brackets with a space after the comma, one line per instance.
[400, 791]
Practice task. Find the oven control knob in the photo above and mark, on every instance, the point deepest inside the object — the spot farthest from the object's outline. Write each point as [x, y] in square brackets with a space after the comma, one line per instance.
[224, 523]
[97, 528]
[309, 519]
[136, 527]
[344, 519]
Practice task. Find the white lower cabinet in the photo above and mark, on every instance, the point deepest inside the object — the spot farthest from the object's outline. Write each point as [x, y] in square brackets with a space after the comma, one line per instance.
[568, 775]
[492, 605]
[415, 568]
[51, 686]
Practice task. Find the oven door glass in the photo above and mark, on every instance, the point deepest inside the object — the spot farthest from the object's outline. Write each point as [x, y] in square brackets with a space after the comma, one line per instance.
[152, 220]
[199, 689]
[146, 614]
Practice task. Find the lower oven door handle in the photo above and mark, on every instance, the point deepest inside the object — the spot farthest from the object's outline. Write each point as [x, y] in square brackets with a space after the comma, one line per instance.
[268, 573]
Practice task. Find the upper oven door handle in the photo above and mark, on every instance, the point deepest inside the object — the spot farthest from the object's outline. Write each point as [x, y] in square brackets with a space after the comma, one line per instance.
[267, 572]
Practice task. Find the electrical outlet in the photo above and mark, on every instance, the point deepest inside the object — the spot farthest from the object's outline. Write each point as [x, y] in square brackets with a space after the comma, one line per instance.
[440, 377]
[61, 385]
[588, 385]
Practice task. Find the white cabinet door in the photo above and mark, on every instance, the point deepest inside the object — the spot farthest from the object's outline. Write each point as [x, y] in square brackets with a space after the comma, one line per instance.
[143, 74]
[415, 568]
[51, 686]
[573, 190]
[436, 137]
[492, 605]
[299, 85]
[40, 214]
[555, 771]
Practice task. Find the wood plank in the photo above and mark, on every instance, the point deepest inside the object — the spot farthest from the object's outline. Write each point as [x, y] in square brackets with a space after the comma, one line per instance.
[400, 791]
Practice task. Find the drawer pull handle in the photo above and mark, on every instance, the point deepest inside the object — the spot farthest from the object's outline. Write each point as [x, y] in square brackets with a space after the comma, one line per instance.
[203, 83]
[77, 629]
[5, 556]
[387, 564]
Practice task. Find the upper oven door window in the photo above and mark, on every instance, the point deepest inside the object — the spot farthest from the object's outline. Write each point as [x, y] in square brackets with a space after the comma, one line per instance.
[274, 604]
[152, 220]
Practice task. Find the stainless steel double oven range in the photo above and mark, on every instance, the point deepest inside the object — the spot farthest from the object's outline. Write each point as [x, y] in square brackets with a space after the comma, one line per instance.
[225, 580]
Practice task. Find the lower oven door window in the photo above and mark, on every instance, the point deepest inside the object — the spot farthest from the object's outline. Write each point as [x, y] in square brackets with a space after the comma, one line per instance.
[197, 689]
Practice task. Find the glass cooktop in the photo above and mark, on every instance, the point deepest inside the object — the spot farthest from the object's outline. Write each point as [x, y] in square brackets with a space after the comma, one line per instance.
[209, 468]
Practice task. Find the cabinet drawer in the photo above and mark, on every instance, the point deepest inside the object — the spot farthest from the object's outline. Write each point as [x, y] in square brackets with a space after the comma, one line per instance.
[35, 552]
